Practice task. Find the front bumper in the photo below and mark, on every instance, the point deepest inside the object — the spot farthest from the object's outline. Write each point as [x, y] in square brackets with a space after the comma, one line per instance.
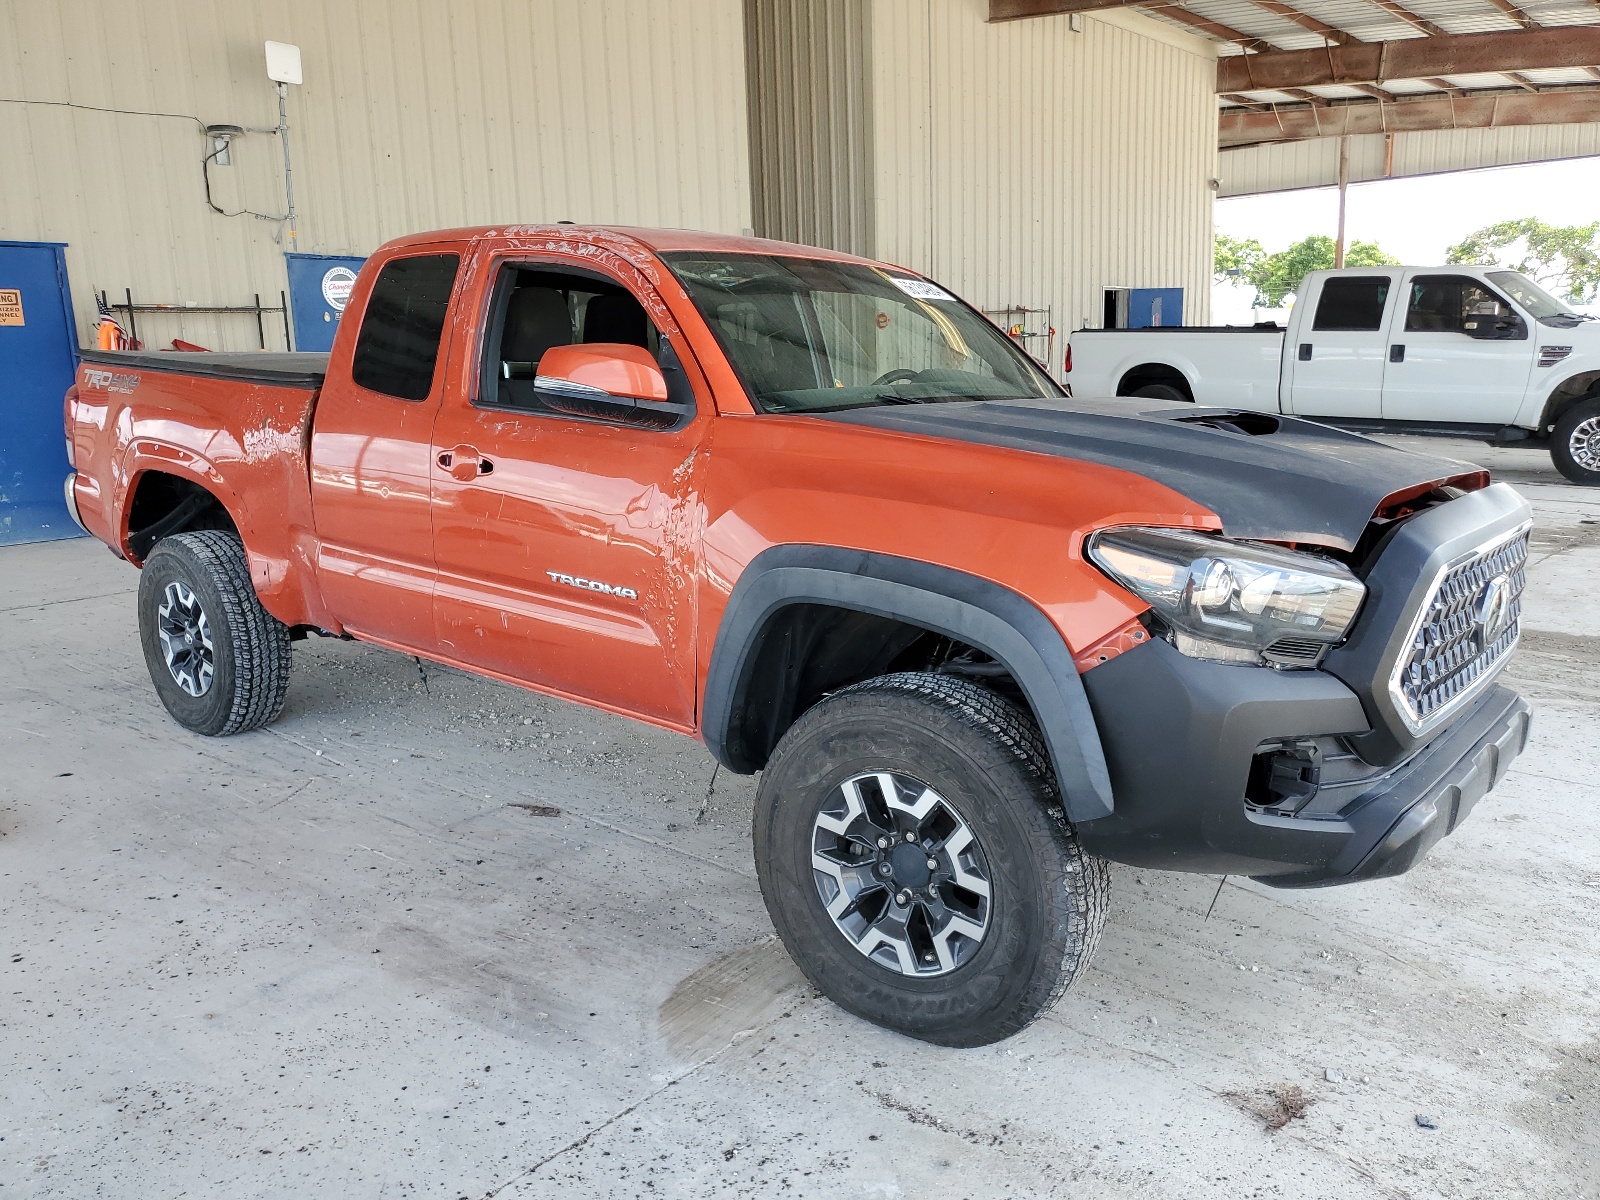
[1180, 736]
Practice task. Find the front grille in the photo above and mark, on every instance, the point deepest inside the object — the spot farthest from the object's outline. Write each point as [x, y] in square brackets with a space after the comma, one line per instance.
[1467, 627]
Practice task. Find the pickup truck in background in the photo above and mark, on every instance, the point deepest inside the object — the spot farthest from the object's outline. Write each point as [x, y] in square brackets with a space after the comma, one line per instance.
[822, 515]
[1465, 351]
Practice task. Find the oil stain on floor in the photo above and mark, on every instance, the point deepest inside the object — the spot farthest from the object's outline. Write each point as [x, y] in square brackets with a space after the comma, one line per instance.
[729, 995]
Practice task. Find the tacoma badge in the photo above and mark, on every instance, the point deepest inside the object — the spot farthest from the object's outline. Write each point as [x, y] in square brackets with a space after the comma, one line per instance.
[594, 585]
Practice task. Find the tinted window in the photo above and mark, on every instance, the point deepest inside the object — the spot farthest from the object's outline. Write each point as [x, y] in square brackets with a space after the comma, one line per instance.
[1352, 304]
[399, 343]
[1451, 304]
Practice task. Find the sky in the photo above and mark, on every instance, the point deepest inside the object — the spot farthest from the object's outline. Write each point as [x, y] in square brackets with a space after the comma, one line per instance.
[1416, 219]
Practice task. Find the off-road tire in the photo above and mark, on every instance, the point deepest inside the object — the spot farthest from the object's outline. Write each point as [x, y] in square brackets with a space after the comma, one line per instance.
[1163, 391]
[251, 648]
[1582, 418]
[988, 760]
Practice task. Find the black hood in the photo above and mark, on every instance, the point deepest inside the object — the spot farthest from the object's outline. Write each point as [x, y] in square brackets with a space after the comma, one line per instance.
[1267, 477]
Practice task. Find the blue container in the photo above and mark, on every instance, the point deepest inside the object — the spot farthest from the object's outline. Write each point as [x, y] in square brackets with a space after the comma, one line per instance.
[319, 288]
[38, 359]
[1155, 308]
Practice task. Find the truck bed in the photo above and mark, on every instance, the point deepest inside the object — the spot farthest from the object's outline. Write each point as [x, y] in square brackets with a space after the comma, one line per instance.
[1233, 366]
[281, 370]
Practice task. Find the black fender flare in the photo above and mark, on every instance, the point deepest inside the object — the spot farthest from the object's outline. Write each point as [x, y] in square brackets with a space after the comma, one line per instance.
[1001, 623]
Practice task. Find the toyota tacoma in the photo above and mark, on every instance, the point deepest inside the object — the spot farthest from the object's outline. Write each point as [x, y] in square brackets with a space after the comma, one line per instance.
[978, 638]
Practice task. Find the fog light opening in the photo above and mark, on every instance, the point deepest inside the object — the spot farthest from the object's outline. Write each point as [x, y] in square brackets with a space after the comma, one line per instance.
[1283, 779]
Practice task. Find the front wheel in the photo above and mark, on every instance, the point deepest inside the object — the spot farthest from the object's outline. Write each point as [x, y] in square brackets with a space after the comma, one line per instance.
[915, 859]
[1575, 442]
[220, 662]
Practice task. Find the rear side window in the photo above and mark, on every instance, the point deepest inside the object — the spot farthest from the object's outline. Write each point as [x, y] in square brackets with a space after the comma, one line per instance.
[1352, 304]
[398, 347]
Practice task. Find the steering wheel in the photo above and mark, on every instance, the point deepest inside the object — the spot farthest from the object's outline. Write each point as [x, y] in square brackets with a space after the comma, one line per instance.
[898, 375]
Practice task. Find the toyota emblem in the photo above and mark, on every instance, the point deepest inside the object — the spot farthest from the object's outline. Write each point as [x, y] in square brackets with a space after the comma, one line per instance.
[1496, 608]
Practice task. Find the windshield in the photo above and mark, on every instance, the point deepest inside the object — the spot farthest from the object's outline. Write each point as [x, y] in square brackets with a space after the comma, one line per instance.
[1539, 303]
[808, 335]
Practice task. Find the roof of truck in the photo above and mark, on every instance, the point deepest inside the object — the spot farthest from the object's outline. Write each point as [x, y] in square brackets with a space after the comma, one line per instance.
[635, 237]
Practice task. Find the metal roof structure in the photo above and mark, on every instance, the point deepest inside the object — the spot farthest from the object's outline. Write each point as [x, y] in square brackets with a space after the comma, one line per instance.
[1328, 68]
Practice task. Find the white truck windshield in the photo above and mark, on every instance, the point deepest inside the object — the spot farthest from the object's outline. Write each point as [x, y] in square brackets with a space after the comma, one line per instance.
[810, 335]
[1540, 304]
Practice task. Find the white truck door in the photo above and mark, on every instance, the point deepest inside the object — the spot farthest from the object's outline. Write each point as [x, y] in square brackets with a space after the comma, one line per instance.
[1334, 365]
[1461, 354]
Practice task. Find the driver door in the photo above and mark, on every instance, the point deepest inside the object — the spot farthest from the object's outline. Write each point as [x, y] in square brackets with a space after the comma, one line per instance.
[568, 546]
[1462, 355]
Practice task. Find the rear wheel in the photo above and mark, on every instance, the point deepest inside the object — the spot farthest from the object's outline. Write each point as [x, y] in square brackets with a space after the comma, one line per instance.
[1162, 391]
[1575, 442]
[220, 662]
[916, 861]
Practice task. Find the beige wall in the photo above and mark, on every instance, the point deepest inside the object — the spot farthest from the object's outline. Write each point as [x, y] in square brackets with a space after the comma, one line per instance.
[414, 114]
[1019, 163]
[810, 78]
[1025, 163]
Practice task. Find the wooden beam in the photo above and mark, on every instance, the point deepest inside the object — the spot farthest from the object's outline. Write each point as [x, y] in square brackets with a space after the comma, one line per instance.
[1412, 19]
[1475, 110]
[1515, 13]
[1016, 10]
[1413, 58]
[1335, 37]
[1308, 97]
[1223, 33]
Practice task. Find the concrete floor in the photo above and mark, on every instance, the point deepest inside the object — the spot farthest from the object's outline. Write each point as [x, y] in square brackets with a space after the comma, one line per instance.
[335, 957]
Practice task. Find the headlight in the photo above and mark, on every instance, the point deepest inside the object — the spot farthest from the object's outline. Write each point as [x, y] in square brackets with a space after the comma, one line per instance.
[1233, 601]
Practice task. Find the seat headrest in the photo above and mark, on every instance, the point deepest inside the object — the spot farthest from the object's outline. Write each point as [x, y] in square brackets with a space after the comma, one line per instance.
[536, 319]
[615, 319]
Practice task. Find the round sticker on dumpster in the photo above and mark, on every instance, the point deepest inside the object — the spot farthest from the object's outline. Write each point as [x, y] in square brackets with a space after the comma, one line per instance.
[336, 286]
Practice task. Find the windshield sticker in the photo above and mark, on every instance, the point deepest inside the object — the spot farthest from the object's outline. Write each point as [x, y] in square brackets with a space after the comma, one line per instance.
[921, 289]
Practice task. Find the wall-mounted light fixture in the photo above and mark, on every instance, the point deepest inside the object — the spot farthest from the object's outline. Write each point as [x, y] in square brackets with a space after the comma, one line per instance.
[221, 136]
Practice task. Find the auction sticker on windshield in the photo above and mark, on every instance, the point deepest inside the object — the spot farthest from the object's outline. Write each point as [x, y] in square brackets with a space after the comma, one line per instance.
[921, 289]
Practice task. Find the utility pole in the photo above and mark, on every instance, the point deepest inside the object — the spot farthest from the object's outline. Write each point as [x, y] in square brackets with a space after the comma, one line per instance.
[1344, 188]
[288, 172]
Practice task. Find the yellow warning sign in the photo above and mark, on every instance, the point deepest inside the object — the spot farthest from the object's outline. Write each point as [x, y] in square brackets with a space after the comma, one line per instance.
[11, 307]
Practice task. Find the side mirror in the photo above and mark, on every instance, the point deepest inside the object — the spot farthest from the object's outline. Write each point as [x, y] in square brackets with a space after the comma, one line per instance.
[607, 381]
[1488, 327]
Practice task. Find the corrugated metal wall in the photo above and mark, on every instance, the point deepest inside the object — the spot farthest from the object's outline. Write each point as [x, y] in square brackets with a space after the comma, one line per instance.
[1315, 161]
[810, 121]
[414, 114]
[1025, 163]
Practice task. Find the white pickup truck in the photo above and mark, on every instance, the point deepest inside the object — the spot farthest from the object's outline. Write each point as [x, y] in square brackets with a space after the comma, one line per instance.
[1465, 351]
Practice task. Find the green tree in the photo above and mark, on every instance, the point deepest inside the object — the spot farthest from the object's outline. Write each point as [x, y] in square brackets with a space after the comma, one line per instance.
[1236, 258]
[1280, 274]
[1564, 259]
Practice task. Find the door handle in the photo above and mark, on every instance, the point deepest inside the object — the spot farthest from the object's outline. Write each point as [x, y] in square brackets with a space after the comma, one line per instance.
[1397, 353]
[464, 463]
[1305, 351]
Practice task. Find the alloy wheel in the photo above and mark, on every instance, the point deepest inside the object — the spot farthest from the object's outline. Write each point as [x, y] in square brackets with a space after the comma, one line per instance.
[1584, 443]
[901, 874]
[185, 635]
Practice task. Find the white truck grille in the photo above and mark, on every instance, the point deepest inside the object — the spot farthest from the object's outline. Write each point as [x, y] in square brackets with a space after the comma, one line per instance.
[1466, 629]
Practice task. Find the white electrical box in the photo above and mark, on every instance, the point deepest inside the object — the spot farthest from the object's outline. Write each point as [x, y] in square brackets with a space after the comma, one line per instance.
[283, 62]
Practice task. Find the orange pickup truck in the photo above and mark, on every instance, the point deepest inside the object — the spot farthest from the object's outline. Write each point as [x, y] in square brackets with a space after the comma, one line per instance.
[978, 637]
